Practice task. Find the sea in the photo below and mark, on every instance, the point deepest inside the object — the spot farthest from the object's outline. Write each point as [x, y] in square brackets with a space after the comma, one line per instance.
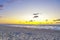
[52, 27]
[29, 32]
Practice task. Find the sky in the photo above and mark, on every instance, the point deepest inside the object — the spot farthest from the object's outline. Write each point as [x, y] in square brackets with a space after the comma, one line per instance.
[24, 9]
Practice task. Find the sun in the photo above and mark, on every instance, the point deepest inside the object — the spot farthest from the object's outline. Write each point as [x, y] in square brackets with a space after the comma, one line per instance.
[34, 17]
[38, 17]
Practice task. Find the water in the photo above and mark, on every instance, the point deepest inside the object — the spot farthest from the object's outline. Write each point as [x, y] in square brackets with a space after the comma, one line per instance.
[52, 27]
[29, 32]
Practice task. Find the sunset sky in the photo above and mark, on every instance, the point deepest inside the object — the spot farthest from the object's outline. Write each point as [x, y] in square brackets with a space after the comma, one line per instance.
[13, 11]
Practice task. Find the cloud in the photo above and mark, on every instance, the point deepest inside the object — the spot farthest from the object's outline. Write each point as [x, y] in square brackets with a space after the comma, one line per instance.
[57, 20]
[0, 16]
[1, 7]
[10, 1]
[4, 3]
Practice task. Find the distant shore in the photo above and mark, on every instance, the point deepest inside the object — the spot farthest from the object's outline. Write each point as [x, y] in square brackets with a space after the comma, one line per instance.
[34, 24]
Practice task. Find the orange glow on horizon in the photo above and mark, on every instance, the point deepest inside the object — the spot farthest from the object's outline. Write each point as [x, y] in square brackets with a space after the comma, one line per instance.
[15, 21]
